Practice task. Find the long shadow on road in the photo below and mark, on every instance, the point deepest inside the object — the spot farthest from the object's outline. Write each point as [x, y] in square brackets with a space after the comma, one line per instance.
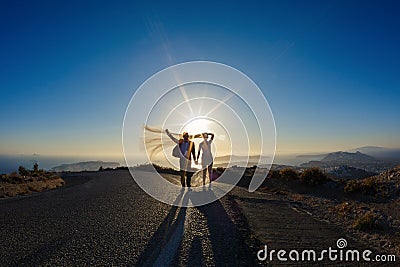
[229, 241]
[161, 247]
[204, 235]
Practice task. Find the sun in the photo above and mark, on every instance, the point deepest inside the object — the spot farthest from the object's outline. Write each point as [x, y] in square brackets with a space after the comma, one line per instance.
[197, 125]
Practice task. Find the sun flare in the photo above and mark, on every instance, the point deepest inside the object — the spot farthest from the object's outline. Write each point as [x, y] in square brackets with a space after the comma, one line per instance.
[197, 126]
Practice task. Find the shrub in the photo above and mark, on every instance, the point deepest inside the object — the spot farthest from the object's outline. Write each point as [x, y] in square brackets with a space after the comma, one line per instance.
[16, 178]
[289, 174]
[342, 209]
[35, 167]
[22, 171]
[313, 176]
[352, 186]
[274, 174]
[368, 186]
[121, 168]
[366, 222]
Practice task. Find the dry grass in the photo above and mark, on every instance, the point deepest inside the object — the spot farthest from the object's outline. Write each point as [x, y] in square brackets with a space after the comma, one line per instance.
[298, 197]
[367, 222]
[343, 209]
[10, 190]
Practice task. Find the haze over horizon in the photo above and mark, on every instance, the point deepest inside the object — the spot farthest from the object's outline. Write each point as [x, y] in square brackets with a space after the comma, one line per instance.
[329, 70]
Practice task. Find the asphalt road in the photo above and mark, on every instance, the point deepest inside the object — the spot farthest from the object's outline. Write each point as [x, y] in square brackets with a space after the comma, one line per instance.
[104, 218]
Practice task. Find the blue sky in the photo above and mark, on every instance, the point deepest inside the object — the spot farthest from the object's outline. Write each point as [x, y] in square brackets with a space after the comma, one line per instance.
[329, 69]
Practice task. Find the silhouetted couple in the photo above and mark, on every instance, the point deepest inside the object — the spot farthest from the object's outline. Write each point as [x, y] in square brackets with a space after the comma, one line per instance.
[187, 150]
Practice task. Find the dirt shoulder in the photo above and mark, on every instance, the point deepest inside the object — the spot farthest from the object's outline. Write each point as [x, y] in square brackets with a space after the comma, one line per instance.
[285, 222]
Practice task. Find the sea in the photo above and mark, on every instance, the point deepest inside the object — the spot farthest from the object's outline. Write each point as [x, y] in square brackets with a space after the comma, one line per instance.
[10, 163]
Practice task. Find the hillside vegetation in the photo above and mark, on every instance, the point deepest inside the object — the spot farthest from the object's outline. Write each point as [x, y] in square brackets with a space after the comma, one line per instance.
[28, 181]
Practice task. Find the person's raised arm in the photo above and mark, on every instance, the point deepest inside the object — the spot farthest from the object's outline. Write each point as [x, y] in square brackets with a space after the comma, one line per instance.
[171, 136]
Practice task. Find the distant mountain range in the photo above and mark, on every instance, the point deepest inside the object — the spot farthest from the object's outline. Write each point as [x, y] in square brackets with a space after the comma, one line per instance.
[379, 152]
[374, 151]
[85, 166]
[357, 160]
[374, 160]
[347, 157]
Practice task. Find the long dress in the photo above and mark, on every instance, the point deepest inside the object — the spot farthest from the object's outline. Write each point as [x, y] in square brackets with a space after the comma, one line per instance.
[206, 157]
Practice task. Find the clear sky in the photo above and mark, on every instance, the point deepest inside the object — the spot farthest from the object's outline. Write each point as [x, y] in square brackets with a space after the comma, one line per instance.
[330, 70]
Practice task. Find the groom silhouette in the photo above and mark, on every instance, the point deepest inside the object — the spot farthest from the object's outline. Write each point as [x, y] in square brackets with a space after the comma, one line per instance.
[187, 149]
